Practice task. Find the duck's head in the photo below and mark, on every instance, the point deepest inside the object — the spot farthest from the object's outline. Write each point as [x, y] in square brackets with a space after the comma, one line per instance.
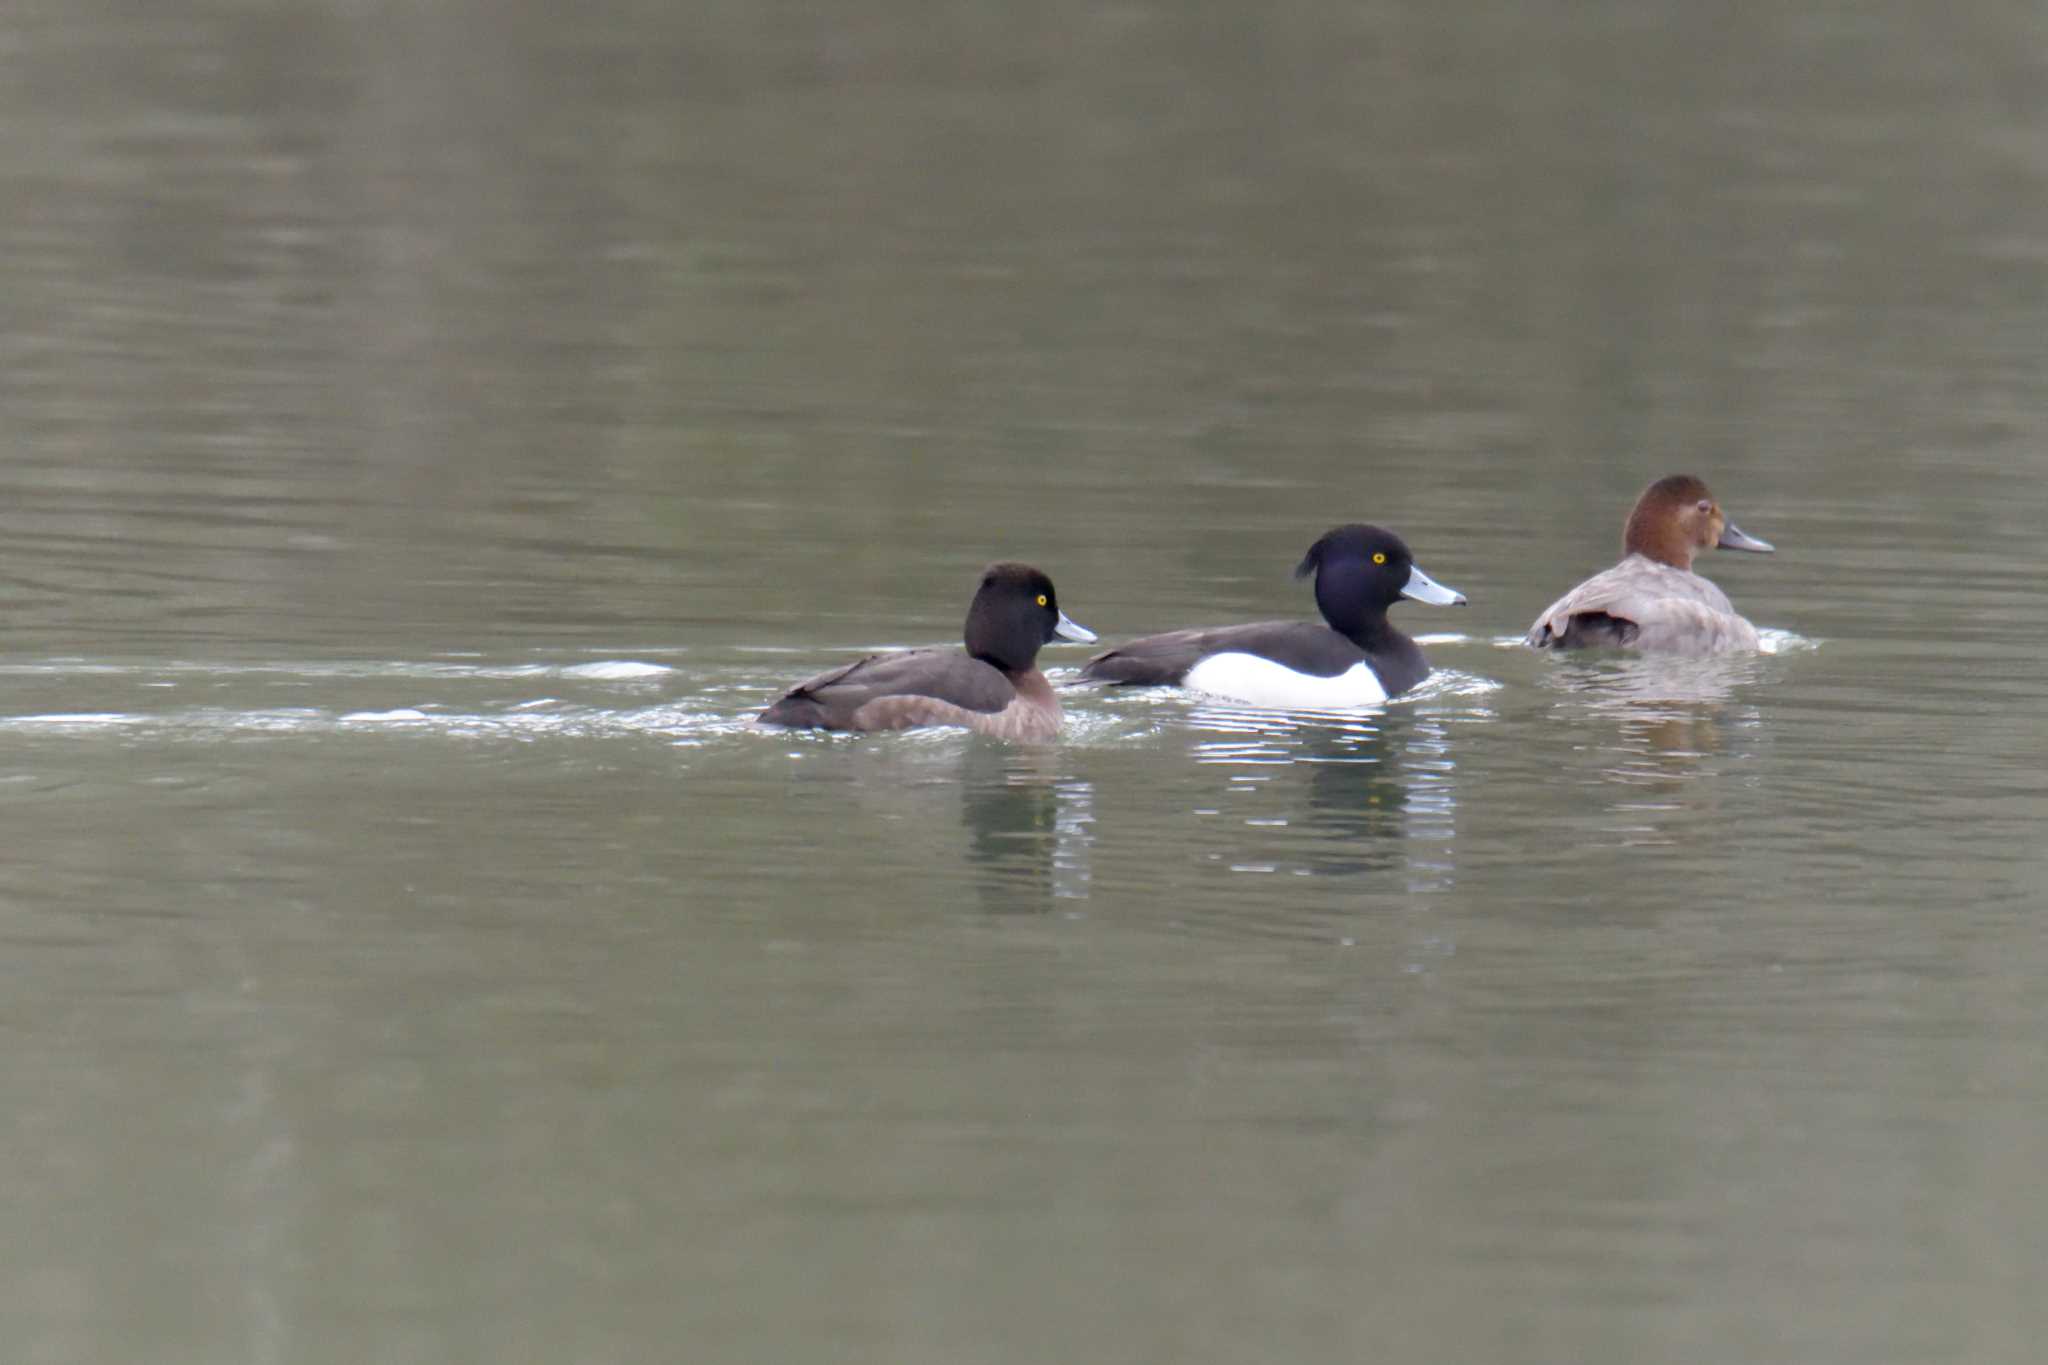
[1362, 570]
[1014, 612]
[1676, 518]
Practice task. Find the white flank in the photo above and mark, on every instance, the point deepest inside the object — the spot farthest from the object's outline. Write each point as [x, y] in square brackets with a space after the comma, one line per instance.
[1261, 682]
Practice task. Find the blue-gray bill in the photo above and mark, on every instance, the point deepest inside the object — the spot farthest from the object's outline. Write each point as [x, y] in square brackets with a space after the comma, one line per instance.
[1069, 629]
[1423, 588]
[1733, 537]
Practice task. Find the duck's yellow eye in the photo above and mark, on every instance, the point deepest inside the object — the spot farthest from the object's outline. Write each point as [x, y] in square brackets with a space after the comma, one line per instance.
[1041, 599]
[1379, 556]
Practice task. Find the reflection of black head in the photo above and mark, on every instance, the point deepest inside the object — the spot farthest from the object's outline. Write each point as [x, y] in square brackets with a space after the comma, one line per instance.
[1358, 801]
[1012, 824]
[1364, 807]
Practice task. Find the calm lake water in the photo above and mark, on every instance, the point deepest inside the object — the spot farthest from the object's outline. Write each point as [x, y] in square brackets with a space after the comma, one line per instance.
[433, 431]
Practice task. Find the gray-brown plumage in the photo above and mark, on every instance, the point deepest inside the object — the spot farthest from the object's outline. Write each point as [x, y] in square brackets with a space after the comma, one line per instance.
[1652, 601]
[993, 686]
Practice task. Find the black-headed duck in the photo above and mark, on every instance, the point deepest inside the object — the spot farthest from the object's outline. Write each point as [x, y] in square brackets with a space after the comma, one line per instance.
[1356, 659]
[993, 686]
[1652, 600]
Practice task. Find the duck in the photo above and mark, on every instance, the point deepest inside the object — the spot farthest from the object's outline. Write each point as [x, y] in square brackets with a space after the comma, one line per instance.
[1353, 657]
[1652, 601]
[993, 686]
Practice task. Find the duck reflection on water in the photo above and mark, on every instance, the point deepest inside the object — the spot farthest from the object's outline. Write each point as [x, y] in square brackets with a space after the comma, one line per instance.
[1376, 792]
[1029, 828]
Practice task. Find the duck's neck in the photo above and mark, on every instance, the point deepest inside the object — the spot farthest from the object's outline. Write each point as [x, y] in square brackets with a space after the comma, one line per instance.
[1035, 687]
[1656, 539]
[1396, 659]
[1681, 562]
[1374, 634]
[1011, 667]
[1344, 597]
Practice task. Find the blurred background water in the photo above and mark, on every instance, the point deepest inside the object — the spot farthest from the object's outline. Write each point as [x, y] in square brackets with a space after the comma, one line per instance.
[433, 430]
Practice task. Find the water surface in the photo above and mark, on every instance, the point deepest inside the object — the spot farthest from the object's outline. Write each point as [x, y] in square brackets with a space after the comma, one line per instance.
[435, 432]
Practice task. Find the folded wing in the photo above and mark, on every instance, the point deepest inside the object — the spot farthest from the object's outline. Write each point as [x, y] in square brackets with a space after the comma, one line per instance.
[942, 678]
[1164, 660]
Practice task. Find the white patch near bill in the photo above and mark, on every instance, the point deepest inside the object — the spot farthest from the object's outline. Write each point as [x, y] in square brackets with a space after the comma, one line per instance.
[1262, 682]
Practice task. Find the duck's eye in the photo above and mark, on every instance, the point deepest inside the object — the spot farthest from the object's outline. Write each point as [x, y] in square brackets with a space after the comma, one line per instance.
[1379, 556]
[1042, 600]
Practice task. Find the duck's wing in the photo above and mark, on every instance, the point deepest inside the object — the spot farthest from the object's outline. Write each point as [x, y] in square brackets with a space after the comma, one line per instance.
[1641, 605]
[1160, 660]
[1596, 614]
[946, 679]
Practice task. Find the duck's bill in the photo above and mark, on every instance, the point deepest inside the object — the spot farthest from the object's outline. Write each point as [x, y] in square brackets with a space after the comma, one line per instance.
[1734, 538]
[1069, 629]
[1423, 588]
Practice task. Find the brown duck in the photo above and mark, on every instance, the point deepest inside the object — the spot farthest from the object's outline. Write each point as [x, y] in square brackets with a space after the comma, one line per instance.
[993, 686]
[1652, 600]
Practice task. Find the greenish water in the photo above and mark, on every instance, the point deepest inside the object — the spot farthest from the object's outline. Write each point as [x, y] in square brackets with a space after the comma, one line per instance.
[434, 432]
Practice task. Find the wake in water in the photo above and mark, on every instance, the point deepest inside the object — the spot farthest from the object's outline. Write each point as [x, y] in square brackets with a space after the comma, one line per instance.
[600, 698]
[475, 699]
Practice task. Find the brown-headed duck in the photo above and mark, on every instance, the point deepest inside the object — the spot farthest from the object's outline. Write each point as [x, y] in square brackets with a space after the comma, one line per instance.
[1356, 659]
[993, 686]
[1652, 600]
